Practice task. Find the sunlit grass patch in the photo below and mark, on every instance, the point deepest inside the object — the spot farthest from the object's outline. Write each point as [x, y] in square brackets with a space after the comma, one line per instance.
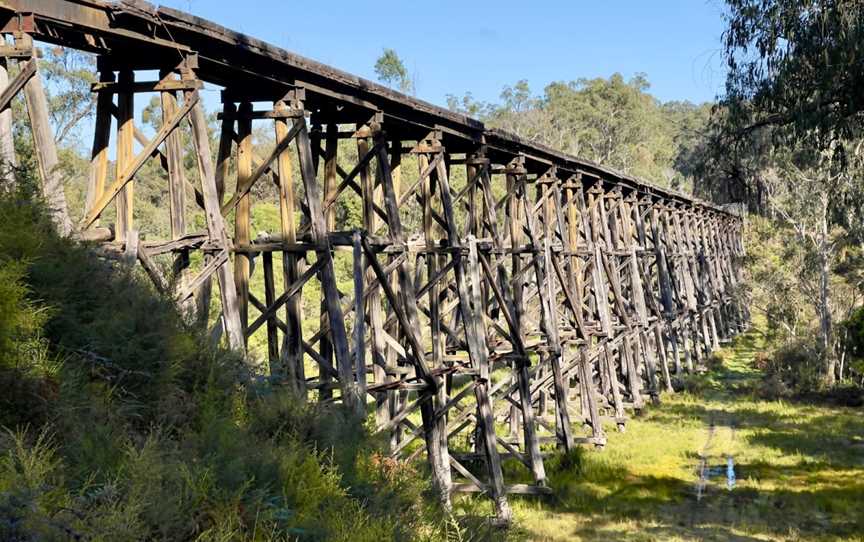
[798, 469]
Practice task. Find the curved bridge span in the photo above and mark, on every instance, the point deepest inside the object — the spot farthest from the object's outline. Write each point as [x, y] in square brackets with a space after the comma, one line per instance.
[488, 297]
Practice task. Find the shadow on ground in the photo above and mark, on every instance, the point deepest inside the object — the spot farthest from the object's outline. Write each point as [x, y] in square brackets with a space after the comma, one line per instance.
[800, 473]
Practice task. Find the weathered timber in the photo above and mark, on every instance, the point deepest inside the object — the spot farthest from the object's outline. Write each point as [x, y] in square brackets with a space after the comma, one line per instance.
[475, 302]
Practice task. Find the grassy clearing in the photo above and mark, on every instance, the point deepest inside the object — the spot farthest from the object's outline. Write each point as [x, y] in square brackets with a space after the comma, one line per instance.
[799, 469]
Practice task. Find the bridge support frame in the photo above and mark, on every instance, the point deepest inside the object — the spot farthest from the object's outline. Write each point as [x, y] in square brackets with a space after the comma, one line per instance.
[459, 280]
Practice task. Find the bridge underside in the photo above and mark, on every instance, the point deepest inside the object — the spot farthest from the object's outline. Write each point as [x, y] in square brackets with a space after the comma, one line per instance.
[484, 297]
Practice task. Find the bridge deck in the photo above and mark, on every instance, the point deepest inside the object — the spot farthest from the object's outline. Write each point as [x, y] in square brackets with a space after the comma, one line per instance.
[147, 36]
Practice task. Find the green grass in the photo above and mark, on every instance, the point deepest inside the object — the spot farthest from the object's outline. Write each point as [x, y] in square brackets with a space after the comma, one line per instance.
[119, 422]
[799, 468]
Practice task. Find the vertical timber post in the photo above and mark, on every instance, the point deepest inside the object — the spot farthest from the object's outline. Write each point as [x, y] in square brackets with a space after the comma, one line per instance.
[291, 359]
[125, 152]
[213, 214]
[44, 144]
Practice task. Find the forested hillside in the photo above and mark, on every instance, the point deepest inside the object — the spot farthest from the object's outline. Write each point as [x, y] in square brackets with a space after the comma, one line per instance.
[611, 121]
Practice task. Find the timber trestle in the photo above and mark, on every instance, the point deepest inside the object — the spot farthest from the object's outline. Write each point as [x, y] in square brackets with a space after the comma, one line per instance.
[482, 297]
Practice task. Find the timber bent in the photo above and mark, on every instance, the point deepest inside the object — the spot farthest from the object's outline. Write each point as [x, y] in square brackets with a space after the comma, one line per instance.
[498, 295]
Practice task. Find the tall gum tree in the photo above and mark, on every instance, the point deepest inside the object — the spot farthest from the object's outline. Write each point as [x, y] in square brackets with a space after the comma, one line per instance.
[801, 189]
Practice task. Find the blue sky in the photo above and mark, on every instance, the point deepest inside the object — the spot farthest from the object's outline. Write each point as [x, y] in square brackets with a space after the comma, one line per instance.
[451, 46]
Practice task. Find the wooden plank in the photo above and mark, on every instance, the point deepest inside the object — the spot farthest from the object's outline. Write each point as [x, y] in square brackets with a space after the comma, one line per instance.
[660, 346]
[291, 292]
[7, 143]
[152, 270]
[395, 401]
[124, 195]
[272, 328]
[333, 191]
[243, 217]
[46, 151]
[606, 364]
[359, 319]
[215, 223]
[12, 88]
[130, 254]
[591, 399]
[643, 352]
[331, 161]
[101, 141]
[327, 276]
[252, 177]
[515, 489]
[176, 192]
[634, 380]
[165, 85]
[226, 142]
[372, 294]
[570, 286]
[135, 163]
[432, 232]
[293, 367]
[213, 264]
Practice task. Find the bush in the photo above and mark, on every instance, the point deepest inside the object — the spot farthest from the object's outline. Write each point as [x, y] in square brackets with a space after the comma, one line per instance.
[122, 424]
[695, 384]
[795, 368]
[854, 328]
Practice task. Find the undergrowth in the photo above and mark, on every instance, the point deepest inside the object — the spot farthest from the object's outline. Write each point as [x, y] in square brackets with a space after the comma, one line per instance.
[121, 423]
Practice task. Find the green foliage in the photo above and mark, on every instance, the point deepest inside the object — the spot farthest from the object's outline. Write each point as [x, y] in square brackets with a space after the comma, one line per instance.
[795, 367]
[18, 319]
[785, 276]
[855, 326]
[27, 369]
[722, 168]
[854, 336]
[775, 268]
[68, 75]
[613, 122]
[124, 425]
[789, 67]
[391, 71]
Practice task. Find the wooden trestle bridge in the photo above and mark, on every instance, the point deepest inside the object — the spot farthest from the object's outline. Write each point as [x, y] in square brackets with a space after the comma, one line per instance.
[504, 295]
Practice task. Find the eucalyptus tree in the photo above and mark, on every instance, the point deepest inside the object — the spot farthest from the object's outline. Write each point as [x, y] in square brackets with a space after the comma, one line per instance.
[391, 70]
[613, 122]
[801, 187]
[796, 65]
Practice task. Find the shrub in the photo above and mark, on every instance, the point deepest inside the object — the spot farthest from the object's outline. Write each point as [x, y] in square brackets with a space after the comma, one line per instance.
[695, 384]
[143, 432]
[854, 334]
[794, 368]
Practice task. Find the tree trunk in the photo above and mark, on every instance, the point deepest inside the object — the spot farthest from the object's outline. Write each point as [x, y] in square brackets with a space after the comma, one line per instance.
[828, 357]
[825, 322]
